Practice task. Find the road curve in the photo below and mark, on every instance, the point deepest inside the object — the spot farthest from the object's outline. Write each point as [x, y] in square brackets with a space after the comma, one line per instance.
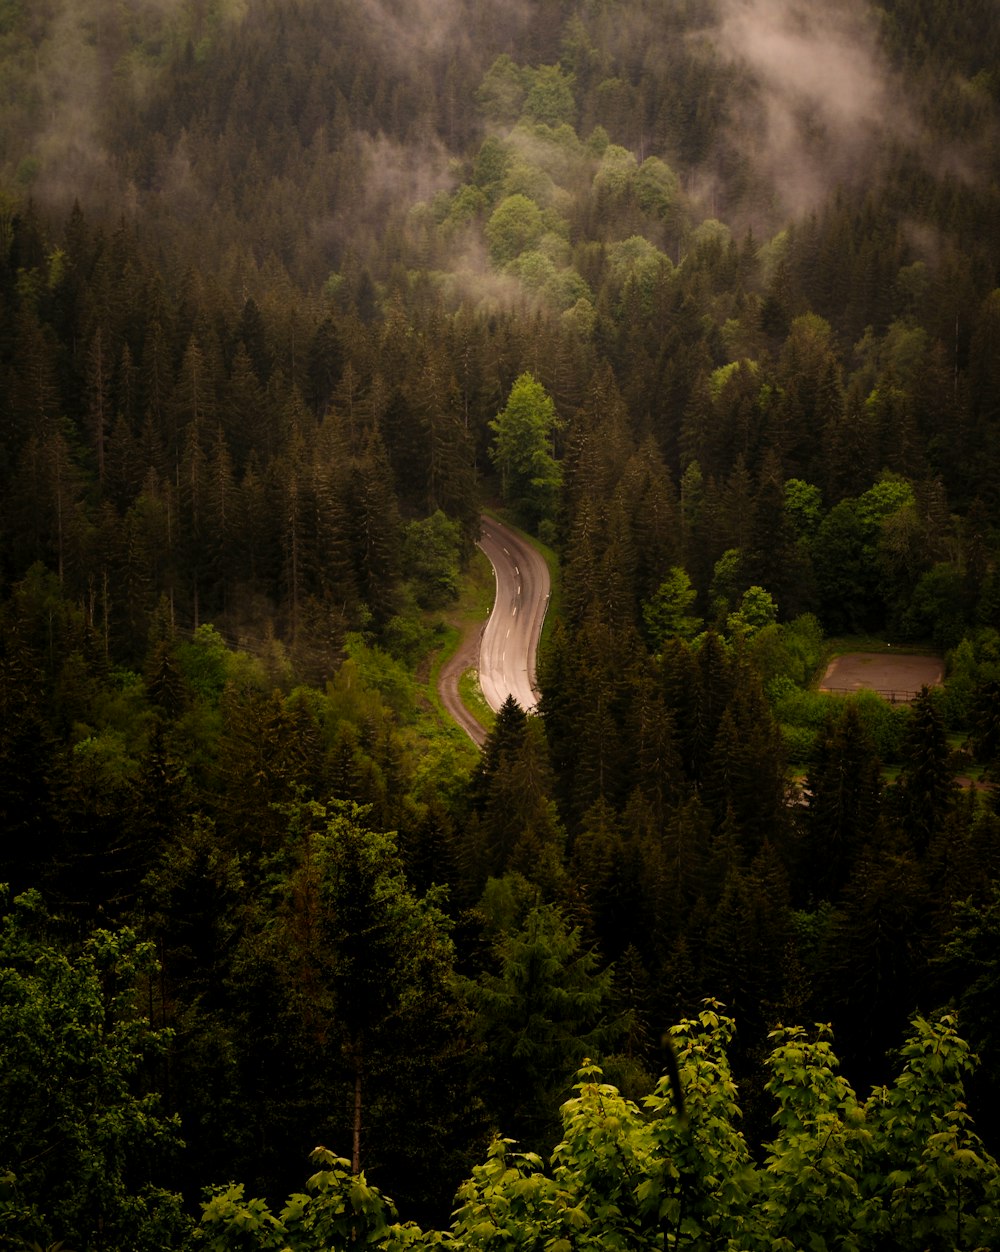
[510, 639]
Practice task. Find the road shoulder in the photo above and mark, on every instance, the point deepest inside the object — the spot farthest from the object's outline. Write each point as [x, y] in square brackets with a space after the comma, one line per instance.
[465, 656]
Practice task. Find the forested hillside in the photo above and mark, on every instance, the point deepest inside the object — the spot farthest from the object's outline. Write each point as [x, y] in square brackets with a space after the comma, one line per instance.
[705, 295]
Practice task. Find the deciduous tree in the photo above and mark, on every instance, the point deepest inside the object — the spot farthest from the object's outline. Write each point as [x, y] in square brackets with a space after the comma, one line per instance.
[522, 450]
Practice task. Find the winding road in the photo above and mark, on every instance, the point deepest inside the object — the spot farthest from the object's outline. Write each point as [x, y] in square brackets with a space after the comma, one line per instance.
[510, 641]
[505, 648]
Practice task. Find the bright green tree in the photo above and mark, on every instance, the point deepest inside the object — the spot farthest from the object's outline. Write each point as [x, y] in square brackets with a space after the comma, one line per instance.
[667, 614]
[432, 550]
[756, 610]
[515, 226]
[522, 450]
[500, 95]
[550, 96]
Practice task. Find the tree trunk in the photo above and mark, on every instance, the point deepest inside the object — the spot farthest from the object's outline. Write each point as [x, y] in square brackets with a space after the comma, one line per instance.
[356, 1150]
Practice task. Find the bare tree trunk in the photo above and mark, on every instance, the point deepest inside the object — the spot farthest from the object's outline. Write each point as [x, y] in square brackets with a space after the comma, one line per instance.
[356, 1150]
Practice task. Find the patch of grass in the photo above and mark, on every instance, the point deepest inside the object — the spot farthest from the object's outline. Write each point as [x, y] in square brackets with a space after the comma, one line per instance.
[473, 698]
[878, 643]
[445, 749]
[468, 612]
[478, 589]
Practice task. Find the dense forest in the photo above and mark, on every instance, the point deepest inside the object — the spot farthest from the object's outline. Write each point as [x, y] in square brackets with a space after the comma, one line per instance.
[705, 296]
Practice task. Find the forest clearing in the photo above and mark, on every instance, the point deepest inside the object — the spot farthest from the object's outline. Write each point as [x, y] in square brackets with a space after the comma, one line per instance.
[898, 677]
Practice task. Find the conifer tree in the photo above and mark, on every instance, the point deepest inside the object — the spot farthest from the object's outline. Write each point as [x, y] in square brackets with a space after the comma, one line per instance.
[844, 788]
[546, 1007]
[926, 788]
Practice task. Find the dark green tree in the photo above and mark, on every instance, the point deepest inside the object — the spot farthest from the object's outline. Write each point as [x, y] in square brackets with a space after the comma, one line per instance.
[367, 973]
[844, 789]
[926, 787]
[547, 1006]
[85, 1153]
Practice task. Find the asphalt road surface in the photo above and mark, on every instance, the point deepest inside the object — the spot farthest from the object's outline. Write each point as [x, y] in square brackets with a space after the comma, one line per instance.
[510, 640]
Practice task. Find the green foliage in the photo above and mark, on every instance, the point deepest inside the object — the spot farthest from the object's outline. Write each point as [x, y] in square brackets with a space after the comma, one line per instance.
[337, 1210]
[803, 504]
[364, 967]
[971, 960]
[491, 164]
[501, 93]
[789, 650]
[800, 743]
[200, 426]
[666, 615]
[702, 1179]
[860, 554]
[515, 226]
[939, 1186]
[728, 581]
[885, 723]
[521, 449]
[208, 664]
[881, 500]
[546, 1008]
[616, 172]
[711, 234]
[903, 1169]
[656, 187]
[379, 672]
[432, 558]
[935, 608]
[755, 612]
[638, 266]
[814, 1164]
[549, 96]
[85, 1142]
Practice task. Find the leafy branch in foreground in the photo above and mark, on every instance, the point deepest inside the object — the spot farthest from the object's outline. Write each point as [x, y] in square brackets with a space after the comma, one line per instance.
[904, 1168]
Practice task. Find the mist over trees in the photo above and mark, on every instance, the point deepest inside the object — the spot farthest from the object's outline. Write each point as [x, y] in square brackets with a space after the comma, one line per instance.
[707, 297]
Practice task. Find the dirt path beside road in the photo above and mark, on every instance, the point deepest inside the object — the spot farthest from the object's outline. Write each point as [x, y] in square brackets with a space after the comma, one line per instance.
[465, 656]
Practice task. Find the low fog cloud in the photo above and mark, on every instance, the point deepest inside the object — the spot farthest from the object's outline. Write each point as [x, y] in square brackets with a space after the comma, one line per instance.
[417, 32]
[397, 175]
[77, 68]
[826, 96]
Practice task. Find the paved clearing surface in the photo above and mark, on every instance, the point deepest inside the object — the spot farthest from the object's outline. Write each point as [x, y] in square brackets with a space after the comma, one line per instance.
[898, 677]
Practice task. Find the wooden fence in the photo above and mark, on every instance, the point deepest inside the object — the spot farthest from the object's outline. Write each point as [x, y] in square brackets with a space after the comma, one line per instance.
[893, 697]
